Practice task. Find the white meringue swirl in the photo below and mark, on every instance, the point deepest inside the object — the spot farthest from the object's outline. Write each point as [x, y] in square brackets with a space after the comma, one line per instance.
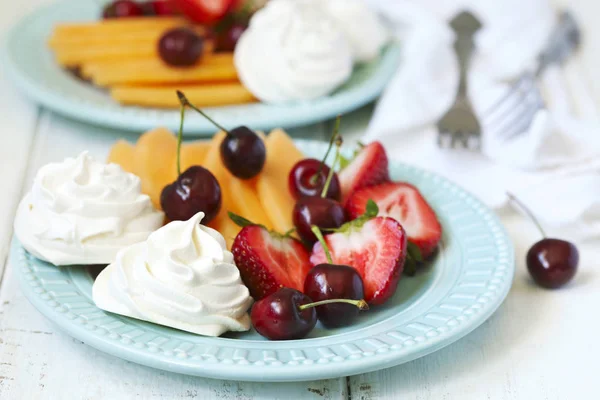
[183, 276]
[81, 211]
[292, 51]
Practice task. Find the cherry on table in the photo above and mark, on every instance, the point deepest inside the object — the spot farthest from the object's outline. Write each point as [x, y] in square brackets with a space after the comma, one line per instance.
[243, 152]
[551, 262]
[332, 281]
[180, 47]
[322, 212]
[122, 9]
[307, 178]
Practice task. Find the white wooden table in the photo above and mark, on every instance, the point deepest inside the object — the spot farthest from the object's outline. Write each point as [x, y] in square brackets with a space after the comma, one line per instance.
[539, 345]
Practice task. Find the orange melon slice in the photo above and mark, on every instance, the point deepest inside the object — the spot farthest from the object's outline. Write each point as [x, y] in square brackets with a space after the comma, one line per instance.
[193, 153]
[213, 163]
[272, 183]
[154, 161]
[122, 153]
[247, 202]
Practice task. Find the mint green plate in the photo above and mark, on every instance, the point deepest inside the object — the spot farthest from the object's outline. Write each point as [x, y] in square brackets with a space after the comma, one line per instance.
[464, 284]
[30, 64]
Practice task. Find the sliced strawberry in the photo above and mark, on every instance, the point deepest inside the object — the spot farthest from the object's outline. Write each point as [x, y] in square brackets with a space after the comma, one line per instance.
[368, 168]
[404, 203]
[268, 261]
[376, 248]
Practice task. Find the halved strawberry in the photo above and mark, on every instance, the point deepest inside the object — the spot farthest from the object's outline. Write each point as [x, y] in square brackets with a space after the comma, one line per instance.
[268, 260]
[376, 248]
[368, 168]
[404, 203]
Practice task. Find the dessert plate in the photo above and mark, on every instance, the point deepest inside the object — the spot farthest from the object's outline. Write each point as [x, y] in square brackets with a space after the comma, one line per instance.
[464, 284]
[30, 64]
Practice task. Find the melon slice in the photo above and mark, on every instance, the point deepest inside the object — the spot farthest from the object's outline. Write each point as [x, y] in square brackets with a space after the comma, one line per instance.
[272, 183]
[247, 202]
[213, 163]
[122, 153]
[193, 153]
[154, 161]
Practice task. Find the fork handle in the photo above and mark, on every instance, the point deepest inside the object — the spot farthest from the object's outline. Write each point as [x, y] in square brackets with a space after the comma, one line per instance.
[463, 46]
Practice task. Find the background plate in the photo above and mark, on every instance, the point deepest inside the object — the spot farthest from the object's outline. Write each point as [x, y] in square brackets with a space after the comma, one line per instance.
[465, 283]
[30, 64]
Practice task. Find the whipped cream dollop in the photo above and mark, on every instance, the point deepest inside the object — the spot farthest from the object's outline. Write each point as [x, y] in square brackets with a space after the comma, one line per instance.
[81, 211]
[182, 277]
[293, 50]
[362, 27]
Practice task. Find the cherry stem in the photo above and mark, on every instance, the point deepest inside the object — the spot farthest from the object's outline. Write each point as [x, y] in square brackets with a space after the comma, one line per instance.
[361, 304]
[527, 211]
[338, 144]
[336, 129]
[180, 137]
[186, 102]
[315, 229]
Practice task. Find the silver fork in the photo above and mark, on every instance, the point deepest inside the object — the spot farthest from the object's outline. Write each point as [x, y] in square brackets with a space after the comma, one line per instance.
[513, 113]
[459, 126]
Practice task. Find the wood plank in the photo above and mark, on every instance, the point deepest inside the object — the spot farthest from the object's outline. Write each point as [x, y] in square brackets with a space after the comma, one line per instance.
[19, 120]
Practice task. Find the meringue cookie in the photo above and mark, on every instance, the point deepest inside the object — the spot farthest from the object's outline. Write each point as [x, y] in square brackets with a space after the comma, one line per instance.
[182, 277]
[362, 27]
[81, 211]
[293, 50]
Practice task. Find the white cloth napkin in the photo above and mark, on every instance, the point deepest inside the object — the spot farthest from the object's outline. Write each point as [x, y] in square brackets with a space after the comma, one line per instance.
[551, 167]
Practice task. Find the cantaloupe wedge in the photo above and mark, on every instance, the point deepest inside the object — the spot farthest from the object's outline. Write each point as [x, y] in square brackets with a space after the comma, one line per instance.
[201, 95]
[152, 69]
[122, 154]
[154, 161]
[213, 163]
[113, 27]
[133, 72]
[247, 203]
[272, 183]
[193, 153]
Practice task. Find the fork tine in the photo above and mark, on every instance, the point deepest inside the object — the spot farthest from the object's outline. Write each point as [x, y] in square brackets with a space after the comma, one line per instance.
[521, 85]
[520, 122]
[532, 100]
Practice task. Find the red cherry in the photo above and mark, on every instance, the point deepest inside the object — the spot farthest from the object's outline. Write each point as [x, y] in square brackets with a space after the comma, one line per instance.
[243, 152]
[550, 262]
[279, 317]
[308, 177]
[227, 39]
[195, 190]
[331, 281]
[122, 9]
[321, 212]
[159, 8]
[180, 47]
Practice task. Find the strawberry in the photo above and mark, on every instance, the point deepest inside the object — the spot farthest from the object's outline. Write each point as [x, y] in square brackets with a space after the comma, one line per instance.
[375, 246]
[369, 167]
[405, 204]
[268, 260]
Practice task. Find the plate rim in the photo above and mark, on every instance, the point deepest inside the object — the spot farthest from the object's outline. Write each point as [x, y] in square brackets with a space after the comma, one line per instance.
[132, 118]
[271, 369]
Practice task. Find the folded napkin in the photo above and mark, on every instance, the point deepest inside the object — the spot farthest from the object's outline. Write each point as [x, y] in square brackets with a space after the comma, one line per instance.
[551, 167]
